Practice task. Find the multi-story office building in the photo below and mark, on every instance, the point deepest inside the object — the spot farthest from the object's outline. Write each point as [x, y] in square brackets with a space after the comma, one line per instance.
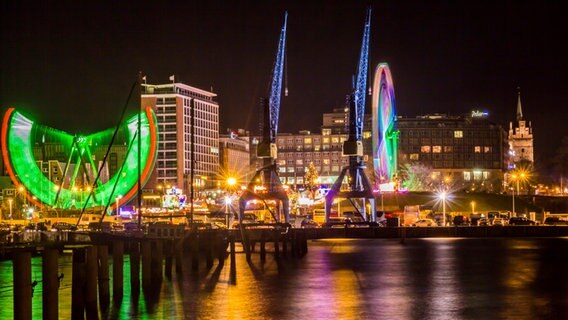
[521, 137]
[468, 152]
[186, 116]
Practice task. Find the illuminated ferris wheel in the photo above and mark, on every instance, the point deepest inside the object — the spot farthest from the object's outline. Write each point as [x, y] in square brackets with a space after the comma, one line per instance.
[385, 135]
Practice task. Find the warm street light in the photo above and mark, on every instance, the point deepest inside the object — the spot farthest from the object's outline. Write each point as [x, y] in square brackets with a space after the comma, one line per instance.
[231, 181]
[443, 198]
[10, 203]
[516, 178]
[473, 207]
[117, 207]
[228, 201]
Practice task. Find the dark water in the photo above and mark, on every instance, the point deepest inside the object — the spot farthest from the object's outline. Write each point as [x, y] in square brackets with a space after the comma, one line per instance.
[353, 279]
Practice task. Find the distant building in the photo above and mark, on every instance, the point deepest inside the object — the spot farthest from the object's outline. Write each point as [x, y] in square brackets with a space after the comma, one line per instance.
[296, 151]
[235, 156]
[175, 104]
[466, 152]
[520, 138]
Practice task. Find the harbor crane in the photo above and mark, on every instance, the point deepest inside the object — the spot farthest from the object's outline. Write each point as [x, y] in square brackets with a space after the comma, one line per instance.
[352, 183]
[265, 184]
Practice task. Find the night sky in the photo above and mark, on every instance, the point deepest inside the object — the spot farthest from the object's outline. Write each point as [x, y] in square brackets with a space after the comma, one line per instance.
[71, 65]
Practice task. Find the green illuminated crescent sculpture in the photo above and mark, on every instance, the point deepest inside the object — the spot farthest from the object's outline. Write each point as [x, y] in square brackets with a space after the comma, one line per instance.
[20, 134]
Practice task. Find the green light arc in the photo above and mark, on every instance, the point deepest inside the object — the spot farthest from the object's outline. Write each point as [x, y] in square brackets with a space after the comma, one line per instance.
[20, 133]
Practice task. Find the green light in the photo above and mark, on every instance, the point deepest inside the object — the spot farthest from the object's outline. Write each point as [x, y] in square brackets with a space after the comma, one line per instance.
[22, 135]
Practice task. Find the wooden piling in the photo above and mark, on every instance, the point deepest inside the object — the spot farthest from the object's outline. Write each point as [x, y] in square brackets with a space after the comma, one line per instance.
[157, 264]
[78, 284]
[50, 281]
[276, 244]
[117, 269]
[103, 276]
[304, 238]
[208, 247]
[232, 246]
[22, 272]
[146, 255]
[263, 245]
[91, 300]
[194, 245]
[285, 245]
[168, 253]
[178, 253]
[135, 267]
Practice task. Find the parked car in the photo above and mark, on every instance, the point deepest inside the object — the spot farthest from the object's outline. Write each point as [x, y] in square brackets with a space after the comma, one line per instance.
[483, 222]
[498, 222]
[460, 220]
[424, 223]
[555, 221]
[521, 221]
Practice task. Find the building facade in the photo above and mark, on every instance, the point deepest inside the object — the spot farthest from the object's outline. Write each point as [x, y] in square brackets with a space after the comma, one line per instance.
[188, 126]
[235, 156]
[520, 138]
[464, 152]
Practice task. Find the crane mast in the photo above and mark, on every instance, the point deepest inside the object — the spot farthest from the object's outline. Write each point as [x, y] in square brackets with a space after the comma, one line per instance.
[267, 177]
[362, 72]
[358, 187]
[276, 84]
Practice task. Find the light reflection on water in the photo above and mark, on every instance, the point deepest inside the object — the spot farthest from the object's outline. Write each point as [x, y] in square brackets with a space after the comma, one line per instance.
[351, 279]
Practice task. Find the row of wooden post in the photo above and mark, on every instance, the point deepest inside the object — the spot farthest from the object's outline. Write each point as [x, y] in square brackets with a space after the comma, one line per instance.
[91, 274]
[293, 242]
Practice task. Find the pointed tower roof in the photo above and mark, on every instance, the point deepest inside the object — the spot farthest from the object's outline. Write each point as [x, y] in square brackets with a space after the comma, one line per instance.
[519, 108]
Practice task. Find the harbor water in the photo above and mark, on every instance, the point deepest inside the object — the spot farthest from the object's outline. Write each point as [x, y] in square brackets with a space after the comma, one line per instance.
[442, 278]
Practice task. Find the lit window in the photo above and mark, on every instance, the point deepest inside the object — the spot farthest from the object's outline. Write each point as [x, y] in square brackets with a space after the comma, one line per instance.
[335, 140]
[299, 161]
[458, 134]
[414, 156]
[425, 149]
[467, 176]
[477, 149]
[486, 149]
[448, 149]
[485, 175]
[367, 134]
[326, 132]
[436, 149]
[326, 140]
[326, 161]
[477, 175]
[307, 140]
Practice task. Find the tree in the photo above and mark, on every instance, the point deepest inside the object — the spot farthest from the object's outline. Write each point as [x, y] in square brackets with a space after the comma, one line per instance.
[311, 179]
[416, 177]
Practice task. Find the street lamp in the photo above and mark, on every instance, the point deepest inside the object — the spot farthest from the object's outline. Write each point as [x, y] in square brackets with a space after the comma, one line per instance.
[23, 192]
[472, 207]
[443, 198]
[228, 201]
[117, 207]
[516, 178]
[231, 182]
[10, 204]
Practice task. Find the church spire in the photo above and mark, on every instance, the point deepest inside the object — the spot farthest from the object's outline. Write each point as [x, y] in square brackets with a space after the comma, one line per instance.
[519, 108]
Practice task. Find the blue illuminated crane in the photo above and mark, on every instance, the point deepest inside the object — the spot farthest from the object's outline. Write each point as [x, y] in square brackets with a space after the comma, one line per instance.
[357, 187]
[266, 185]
